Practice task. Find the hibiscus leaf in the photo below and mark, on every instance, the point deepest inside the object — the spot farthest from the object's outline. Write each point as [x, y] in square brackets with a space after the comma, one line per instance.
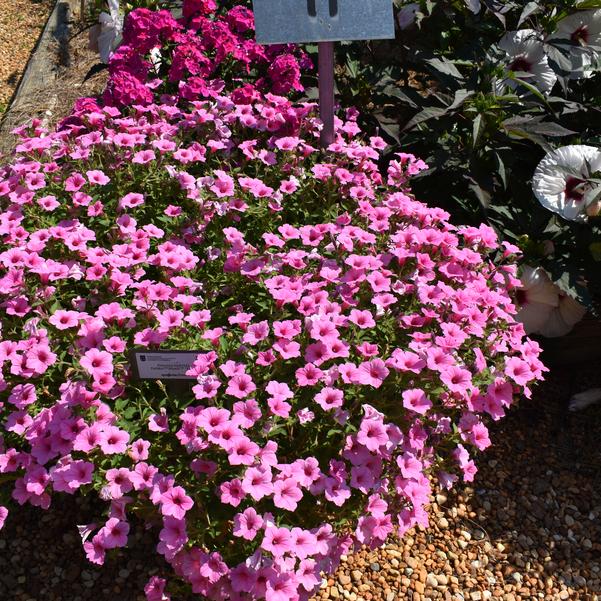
[393, 90]
[532, 89]
[460, 97]
[502, 172]
[483, 195]
[497, 9]
[390, 127]
[444, 66]
[547, 128]
[559, 59]
[530, 9]
[517, 132]
[477, 129]
[432, 112]
[570, 281]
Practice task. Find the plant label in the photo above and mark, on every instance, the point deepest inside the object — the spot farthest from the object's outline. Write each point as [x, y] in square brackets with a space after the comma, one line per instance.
[163, 365]
[298, 21]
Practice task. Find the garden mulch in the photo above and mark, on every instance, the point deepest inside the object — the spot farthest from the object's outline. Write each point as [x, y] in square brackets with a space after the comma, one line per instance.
[527, 528]
[21, 22]
[69, 60]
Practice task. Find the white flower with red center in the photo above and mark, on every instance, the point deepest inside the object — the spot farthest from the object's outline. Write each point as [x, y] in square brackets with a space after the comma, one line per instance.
[562, 181]
[582, 31]
[526, 56]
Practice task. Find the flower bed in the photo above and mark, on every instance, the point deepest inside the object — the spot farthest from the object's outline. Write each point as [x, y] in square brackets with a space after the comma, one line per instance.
[351, 341]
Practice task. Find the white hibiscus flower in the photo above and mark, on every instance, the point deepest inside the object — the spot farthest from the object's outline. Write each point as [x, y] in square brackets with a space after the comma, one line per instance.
[583, 32]
[543, 308]
[562, 182]
[406, 16]
[526, 55]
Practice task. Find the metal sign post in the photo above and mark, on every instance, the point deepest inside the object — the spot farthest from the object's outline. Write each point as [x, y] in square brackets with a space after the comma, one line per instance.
[324, 22]
[326, 91]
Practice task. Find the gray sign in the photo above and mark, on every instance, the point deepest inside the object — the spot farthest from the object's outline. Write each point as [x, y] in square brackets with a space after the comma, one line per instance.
[298, 21]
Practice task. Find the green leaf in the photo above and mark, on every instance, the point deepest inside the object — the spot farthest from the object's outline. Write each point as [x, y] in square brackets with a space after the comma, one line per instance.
[477, 129]
[547, 128]
[353, 67]
[532, 89]
[430, 6]
[586, 4]
[444, 66]
[595, 248]
[425, 115]
[517, 132]
[501, 169]
[530, 9]
[460, 97]
[395, 91]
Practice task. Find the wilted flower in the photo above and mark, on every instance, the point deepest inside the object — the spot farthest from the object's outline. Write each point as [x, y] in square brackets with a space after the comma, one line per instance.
[582, 400]
[526, 55]
[406, 16]
[582, 31]
[105, 36]
[537, 298]
[562, 180]
[473, 5]
[544, 308]
[563, 317]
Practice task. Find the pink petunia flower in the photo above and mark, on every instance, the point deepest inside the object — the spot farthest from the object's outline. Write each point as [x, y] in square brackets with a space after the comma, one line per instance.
[97, 362]
[240, 386]
[372, 434]
[112, 440]
[456, 379]
[114, 534]
[373, 373]
[286, 494]
[176, 503]
[416, 400]
[247, 524]
[277, 541]
[119, 482]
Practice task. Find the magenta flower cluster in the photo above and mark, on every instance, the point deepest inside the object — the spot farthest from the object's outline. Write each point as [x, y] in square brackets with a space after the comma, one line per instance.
[192, 58]
[351, 343]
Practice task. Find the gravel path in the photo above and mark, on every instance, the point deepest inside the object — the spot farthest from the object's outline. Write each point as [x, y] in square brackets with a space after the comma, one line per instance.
[21, 22]
[528, 528]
